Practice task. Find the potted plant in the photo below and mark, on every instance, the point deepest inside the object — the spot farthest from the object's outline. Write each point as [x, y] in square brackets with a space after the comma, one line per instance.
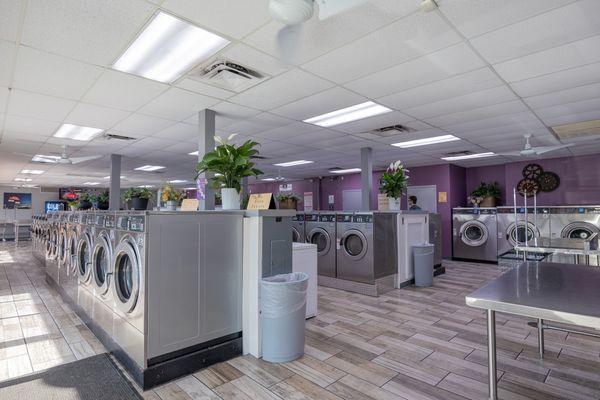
[171, 197]
[488, 192]
[137, 198]
[85, 201]
[393, 184]
[102, 200]
[73, 205]
[230, 164]
[287, 201]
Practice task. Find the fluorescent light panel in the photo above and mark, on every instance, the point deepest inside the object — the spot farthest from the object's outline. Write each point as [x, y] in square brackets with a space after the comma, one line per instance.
[193, 153]
[146, 186]
[345, 171]
[269, 179]
[177, 181]
[293, 163]
[426, 141]
[91, 183]
[348, 114]
[23, 179]
[149, 168]
[108, 177]
[167, 48]
[469, 156]
[190, 188]
[32, 171]
[76, 132]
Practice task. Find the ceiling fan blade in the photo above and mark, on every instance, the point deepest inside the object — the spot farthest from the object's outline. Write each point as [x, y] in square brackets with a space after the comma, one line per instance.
[511, 153]
[547, 149]
[329, 8]
[288, 40]
[77, 160]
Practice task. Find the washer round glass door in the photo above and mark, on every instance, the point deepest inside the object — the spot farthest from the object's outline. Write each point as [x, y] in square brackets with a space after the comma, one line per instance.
[579, 230]
[53, 248]
[522, 234]
[84, 247]
[127, 275]
[101, 263]
[72, 253]
[296, 236]
[320, 237]
[354, 243]
[63, 251]
[473, 233]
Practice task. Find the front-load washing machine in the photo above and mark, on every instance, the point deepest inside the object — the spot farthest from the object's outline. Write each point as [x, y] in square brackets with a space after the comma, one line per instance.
[575, 222]
[320, 230]
[298, 231]
[85, 247]
[102, 272]
[52, 247]
[511, 234]
[474, 233]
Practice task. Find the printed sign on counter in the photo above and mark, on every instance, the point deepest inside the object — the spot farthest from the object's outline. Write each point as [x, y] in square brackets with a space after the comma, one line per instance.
[189, 205]
[442, 197]
[285, 187]
[383, 203]
[261, 201]
[308, 201]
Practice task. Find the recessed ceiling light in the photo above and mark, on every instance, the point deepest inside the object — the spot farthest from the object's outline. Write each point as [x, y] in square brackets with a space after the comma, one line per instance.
[190, 188]
[45, 159]
[293, 163]
[108, 177]
[76, 132]
[23, 179]
[149, 168]
[146, 186]
[27, 185]
[177, 181]
[91, 183]
[469, 156]
[348, 114]
[268, 179]
[32, 171]
[426, 141]
[167, 48]
[193, 153]
[345, 171]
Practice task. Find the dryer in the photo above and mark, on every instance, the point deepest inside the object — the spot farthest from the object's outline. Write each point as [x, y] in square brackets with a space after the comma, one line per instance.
[474, 233]
[575, 222]
[102, 271]
[298, 231]
[511, 234]
[320, 230]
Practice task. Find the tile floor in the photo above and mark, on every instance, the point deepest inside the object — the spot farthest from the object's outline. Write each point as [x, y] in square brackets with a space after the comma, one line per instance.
[412, 344]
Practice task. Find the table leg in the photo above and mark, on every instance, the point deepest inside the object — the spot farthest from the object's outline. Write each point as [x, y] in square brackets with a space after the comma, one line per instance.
[492, 368]
[540, 326]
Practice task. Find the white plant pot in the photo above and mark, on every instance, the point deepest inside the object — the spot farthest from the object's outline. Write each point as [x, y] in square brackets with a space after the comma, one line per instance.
[230, 198]
[394, 203]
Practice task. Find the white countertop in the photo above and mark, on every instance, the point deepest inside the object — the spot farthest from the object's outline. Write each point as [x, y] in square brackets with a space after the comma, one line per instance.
[303, 246]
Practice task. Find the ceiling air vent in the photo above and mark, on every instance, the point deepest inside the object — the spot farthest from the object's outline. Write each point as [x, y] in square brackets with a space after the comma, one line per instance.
[392, 130]
[458, 153]
[110, 136]
[228, 75]
[577, 129]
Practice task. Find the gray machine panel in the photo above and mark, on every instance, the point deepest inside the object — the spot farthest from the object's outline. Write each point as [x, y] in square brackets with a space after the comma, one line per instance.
[435, 237]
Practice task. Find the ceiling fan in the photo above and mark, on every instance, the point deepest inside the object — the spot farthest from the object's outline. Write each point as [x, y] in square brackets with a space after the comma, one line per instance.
[63, 158]
[294, 13]
[530, 150]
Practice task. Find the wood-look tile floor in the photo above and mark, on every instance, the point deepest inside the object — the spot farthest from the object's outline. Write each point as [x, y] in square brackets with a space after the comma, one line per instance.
[413, 344]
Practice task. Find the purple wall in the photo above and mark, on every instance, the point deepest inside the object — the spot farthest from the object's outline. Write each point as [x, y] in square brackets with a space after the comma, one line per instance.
[579, 179]
[299, 187]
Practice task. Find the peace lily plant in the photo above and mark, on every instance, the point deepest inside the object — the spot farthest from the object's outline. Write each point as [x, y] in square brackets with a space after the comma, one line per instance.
[393, 184]
[230, 164]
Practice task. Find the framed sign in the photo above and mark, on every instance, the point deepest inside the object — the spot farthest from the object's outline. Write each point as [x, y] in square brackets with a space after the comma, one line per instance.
[17, 200]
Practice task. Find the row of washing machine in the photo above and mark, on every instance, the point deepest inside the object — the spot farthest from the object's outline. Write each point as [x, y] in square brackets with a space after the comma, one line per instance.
[485, 234]
[354, 246]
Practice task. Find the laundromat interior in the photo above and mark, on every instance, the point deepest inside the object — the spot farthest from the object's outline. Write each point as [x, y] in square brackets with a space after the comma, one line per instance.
[300, 199]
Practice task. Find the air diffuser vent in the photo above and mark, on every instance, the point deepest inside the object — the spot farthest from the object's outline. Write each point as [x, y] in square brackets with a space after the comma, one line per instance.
[391, 130]
[228, 75]
[458, 153]
[110, 136]
[578, 129]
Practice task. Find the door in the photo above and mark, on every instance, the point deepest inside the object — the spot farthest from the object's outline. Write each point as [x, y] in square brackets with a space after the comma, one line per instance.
[473, 233]
[320, 237]
[426, 197]
[519, 235]
[101, 263]
[126, 275]
[579, 230]
[84, 248]
[354, 244]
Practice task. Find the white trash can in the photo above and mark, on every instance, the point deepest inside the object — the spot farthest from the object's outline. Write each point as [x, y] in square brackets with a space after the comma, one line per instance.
[283, 313]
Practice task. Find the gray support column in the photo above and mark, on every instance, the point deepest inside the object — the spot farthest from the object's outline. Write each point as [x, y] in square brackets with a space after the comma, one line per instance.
[114, 199]
[366, 177]
[206, 143]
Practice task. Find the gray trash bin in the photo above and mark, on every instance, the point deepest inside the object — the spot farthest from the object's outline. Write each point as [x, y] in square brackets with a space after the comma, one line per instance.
[283, 313]
[423, 262]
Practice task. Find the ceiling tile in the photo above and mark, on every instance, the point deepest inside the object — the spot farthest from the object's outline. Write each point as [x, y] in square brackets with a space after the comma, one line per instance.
[123, 91]
[180, 131]
[177, 104]
[235, 18]
[7, 58]
[3, 99]
[562, 119]
[10, 11]
[320, 103]
[46, 73]
[410, 37]
[142, 125]
[570, 108]
[294, 129]
[204, 89]
[507, 108]
[432, 67]
[554, 28]
[30, 125]
[524, 120]
[443, 89]
[282, 89]
[465, 102]
[254, 59]
[95, 116]
[565, 96]
[552, 60]
[376, 122]
[557, 81]
[474, 17]
[315, 138]
[27, 104]
[103, 27]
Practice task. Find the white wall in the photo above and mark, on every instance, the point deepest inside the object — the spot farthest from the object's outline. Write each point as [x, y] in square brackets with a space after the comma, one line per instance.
[38, 199]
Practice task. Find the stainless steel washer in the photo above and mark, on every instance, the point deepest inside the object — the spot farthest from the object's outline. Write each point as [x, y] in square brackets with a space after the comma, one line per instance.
[511, 234]
[298, 231]
[102, 273]
[474, 233]
[320, 228]
[575, 222]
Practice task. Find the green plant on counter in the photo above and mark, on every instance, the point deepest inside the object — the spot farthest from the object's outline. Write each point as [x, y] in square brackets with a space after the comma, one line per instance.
[487, 190]
[169, 193]
[103, 197]
[287, 196]
[140, 193]
[73, 203]
[394, 181]
[85, 197]
[230, 163]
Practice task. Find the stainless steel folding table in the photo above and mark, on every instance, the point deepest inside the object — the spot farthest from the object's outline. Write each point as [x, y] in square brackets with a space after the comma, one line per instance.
[564, 293]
